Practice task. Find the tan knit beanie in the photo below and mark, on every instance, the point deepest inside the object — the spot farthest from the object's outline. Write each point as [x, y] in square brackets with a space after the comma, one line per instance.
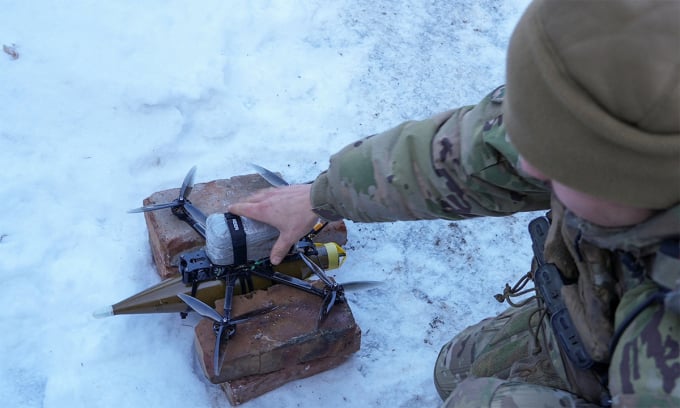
[593, 97]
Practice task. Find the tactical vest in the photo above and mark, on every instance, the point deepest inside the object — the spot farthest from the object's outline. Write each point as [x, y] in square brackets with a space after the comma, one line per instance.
[598, 266]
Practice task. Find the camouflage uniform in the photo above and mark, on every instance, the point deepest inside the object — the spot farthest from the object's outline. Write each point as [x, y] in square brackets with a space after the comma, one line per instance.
[618, 281]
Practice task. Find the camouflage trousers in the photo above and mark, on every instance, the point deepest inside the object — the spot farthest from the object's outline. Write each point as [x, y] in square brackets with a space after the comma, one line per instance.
[504, 362]
[499, 362]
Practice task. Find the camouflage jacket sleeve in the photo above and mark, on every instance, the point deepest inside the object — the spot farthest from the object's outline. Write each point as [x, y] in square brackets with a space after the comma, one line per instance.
[457, 164]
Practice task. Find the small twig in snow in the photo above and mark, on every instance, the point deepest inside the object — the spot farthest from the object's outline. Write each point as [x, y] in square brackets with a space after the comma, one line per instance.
[11, 50]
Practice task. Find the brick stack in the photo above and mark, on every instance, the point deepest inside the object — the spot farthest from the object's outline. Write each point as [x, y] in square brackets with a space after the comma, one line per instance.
[273, 348]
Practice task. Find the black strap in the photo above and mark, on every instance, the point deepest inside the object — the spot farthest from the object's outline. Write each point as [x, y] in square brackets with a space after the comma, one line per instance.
[238, 238]
[549, 282]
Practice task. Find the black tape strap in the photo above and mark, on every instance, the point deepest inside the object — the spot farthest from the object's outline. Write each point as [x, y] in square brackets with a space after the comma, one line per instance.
[238, 238]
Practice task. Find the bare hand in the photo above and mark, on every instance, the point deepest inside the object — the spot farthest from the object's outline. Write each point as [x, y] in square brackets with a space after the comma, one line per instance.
[289, 209]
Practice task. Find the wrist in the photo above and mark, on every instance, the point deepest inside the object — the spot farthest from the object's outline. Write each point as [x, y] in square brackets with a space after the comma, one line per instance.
[319, 197]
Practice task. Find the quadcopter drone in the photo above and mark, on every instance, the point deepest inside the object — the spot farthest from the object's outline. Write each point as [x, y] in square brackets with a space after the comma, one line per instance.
[197, 266]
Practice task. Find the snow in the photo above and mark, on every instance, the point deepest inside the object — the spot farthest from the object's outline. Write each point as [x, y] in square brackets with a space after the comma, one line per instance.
[109, 102]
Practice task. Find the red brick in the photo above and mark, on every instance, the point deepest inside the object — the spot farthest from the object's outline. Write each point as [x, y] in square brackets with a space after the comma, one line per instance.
[280, 346]
[244, 389]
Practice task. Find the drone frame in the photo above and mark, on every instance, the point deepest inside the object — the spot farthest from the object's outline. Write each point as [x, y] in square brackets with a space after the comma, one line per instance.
[195, 267]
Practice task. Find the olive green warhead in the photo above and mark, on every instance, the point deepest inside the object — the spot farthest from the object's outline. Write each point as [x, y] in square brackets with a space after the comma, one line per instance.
[162, 297]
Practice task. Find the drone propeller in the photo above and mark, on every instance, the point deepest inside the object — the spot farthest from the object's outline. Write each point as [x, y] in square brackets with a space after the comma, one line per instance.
[154, 207]
[332, 289]
[184, 192]
[181, 206]
[358, 285]
[201, 308]
[221, 322]
[187, 184]
[270, 176]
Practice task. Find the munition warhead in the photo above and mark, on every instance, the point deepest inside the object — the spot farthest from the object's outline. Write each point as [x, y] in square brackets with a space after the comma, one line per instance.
[162, 297]
[103, 312]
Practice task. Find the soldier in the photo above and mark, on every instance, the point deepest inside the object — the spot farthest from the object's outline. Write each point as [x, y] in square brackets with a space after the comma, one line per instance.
[592, 105]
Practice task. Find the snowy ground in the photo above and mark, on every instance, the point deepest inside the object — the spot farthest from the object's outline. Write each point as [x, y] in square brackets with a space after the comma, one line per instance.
[108, 102]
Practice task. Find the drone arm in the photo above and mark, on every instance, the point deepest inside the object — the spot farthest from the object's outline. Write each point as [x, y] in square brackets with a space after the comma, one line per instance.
[197, 226]
[288, 280]
[229, 297]
[191, 215]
